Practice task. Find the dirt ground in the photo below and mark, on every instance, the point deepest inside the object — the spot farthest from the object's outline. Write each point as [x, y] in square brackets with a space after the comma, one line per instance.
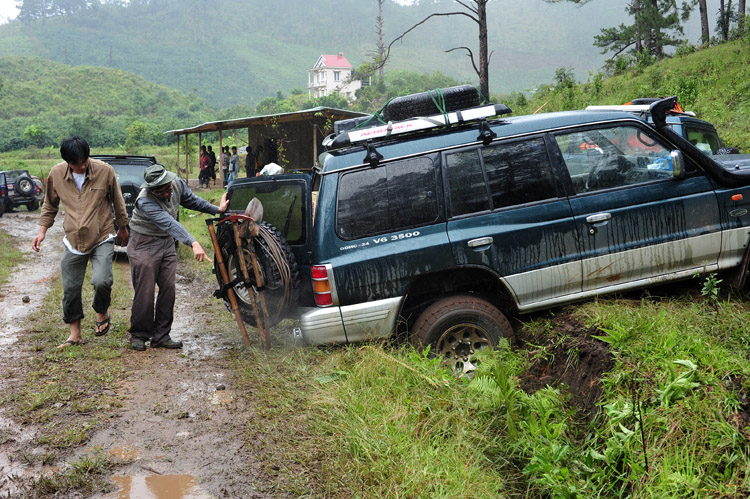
[178, 434]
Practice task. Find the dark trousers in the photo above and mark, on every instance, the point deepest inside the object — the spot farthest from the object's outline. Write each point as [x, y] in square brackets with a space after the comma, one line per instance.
[153, 262]
[73, 270]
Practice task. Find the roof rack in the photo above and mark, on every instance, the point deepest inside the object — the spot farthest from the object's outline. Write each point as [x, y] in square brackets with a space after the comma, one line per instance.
[415, 124]
[634, 108]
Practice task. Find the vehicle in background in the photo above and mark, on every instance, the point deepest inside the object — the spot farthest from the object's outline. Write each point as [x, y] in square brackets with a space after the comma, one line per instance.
[21, 190]
[698, 132]
[3, 194]
[129, 170]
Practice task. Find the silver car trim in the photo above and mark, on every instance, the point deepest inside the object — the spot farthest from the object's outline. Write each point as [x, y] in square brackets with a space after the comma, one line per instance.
[352, 323]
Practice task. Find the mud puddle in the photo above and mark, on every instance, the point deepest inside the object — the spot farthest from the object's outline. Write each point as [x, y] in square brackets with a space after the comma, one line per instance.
[159, 487]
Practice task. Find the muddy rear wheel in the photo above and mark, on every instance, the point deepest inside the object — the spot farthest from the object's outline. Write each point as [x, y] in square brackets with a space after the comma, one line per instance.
[457, 327]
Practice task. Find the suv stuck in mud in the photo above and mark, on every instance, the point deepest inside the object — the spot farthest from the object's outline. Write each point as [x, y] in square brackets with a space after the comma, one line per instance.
[439, 228]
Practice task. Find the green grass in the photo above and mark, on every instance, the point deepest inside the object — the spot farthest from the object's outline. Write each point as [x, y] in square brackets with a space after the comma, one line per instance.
[10, 256]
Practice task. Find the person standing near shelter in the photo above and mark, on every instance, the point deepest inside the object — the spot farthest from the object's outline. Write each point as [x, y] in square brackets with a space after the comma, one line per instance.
[203, 165]
[225, 165]
[89, 190]
[250, 162]
[212, 164]
[152, 255]
[234, 165]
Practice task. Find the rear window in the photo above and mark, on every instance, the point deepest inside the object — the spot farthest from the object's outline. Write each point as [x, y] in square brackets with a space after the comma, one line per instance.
[393, 197]
[283, 205]
[704, 139]
[129, 173]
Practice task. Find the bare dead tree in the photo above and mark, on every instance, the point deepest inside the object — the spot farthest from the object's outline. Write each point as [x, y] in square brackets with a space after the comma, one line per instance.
[476, 10]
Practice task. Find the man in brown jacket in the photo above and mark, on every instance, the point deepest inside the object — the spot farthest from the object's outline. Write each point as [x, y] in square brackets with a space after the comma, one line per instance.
[89, 191]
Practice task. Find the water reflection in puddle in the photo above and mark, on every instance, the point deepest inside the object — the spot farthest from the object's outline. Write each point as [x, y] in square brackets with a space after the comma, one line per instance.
[159, 487]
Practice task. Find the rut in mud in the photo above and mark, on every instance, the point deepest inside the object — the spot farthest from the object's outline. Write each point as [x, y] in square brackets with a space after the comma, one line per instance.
[179, 430]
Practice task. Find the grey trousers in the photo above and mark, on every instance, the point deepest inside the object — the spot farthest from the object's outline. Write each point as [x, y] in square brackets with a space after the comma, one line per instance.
[153, 262]
[73, 270]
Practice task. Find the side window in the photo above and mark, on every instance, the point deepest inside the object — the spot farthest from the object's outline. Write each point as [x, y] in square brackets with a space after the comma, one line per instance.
[468, 189]
[518, 173]
[499, 176]
[393, 197]
[606, 158]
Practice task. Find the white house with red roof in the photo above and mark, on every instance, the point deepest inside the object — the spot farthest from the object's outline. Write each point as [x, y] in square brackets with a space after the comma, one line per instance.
[332, 73]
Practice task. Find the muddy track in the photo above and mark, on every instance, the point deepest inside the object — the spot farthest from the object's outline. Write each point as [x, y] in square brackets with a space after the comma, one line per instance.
[180, 427]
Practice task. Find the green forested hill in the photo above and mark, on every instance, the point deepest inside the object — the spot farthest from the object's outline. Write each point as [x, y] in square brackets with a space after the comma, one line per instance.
[236, 52]
[100, 103]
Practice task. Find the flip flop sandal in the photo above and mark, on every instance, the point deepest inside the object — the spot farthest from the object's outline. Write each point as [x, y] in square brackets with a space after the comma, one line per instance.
[103, 331]
[67, 343]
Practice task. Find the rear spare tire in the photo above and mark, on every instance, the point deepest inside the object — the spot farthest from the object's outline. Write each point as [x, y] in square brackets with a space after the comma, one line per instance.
[24, 186]
[278, 269]
[457, 326]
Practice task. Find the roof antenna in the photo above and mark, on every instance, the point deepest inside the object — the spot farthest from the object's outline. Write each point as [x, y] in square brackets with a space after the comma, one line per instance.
[485, 133]
[373, 157]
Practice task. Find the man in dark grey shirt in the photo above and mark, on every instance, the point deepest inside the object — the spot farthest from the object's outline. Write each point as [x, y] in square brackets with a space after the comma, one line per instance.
[152, 255]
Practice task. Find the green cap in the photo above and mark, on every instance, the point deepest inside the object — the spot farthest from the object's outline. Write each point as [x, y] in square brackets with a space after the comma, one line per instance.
[156, 175]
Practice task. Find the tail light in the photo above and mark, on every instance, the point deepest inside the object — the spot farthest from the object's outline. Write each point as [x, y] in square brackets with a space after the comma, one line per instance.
[321, 286]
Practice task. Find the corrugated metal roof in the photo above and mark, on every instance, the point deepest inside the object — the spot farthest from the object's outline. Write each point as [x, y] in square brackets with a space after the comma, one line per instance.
[233, 124]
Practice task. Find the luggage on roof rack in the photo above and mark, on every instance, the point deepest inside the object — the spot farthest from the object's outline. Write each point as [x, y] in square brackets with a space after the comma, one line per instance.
[414, 124]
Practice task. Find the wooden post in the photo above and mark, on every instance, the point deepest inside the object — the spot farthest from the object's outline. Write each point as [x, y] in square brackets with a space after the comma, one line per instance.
[225, 280]
[187, 158]
[178, 155]
[220, 161]
[261, 316]
[315, 146]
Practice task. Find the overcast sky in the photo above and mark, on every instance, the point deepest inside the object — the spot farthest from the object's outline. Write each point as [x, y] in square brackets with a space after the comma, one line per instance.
[8, 10]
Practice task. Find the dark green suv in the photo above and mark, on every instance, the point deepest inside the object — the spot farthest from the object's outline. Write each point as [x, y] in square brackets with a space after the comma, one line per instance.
[443, 225]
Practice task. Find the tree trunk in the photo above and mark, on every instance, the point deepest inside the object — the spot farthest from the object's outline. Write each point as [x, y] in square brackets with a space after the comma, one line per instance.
[724, 20]
[703, 9]
[484, 77]
[741, 7]
[381, 44]
[638, 30]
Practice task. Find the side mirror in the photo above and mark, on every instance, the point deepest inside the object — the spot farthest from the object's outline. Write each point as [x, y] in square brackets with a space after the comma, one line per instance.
[678, 164]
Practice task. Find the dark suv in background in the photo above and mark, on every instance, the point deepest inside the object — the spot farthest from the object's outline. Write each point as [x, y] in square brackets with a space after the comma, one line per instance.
[442, 225]
[20, 190]
[698, 132]
[129, 170]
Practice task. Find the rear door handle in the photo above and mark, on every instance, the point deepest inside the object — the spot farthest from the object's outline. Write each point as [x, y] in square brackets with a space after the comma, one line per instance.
[482, 241]
[599, 217]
